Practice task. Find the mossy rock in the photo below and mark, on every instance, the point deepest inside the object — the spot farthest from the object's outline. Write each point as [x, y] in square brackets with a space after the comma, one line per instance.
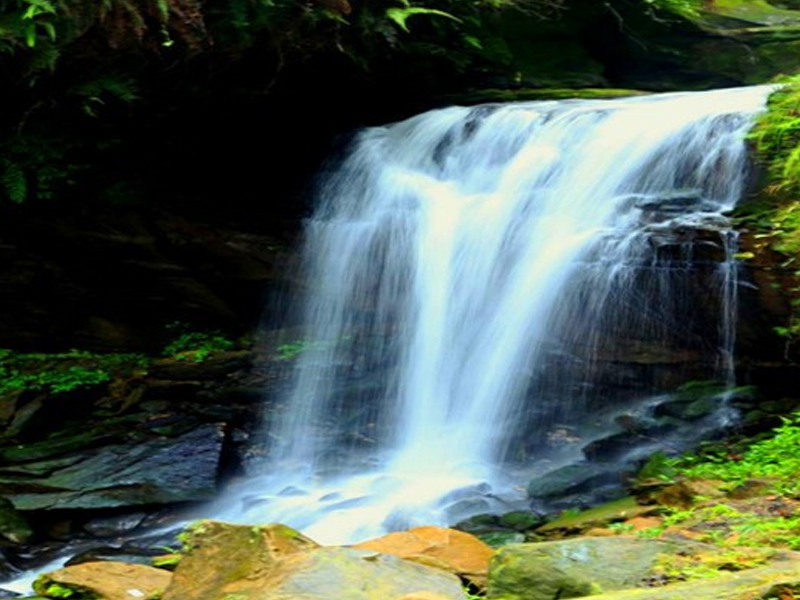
[594, 565]
[616, 510]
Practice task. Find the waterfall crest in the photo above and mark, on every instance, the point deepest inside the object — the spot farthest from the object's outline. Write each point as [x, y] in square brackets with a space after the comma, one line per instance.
[473, 272]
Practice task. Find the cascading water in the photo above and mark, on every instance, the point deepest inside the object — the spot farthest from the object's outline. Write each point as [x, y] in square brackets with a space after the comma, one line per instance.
[472, 274]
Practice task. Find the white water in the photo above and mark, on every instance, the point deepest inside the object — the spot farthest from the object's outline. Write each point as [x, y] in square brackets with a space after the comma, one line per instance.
[465, 268]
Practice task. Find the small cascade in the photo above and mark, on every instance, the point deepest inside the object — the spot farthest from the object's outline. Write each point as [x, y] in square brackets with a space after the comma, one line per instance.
[491, 291]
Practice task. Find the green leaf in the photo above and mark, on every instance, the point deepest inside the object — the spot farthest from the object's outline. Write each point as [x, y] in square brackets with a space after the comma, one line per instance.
[30, 35]
[401, 15]
[49, 29]
[471, 40]
[14, 183]
[38, 7]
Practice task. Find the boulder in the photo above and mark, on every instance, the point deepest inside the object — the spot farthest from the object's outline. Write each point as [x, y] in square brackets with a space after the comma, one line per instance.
[275, 562]
[779, 580]
[103, 581]
[221, 554]
[454, 551]
[571, 479]
[577, 567]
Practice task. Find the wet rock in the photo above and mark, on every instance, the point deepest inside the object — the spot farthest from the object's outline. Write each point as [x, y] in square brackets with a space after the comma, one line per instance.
[158, 470]
[617, 510]
[126, 554]
[114, 525]
[570, 480]
[106, 580]
[689, 410]
[520, 520]
[481, 523]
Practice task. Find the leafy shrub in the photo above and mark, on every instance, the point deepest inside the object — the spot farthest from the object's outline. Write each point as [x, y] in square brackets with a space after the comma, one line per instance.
[61, 372]
[197, 346]
[775, 457]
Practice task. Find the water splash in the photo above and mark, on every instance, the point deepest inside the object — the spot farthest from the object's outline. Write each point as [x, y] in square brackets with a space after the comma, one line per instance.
[472, 272]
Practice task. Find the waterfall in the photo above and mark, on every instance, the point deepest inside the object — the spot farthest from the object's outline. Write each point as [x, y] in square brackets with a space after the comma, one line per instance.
[478, 281]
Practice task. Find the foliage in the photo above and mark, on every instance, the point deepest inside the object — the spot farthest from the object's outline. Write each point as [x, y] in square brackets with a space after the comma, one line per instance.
[290, 350]
[770, 518]
[82, 79]
[775, 215]
[61, 372]
[197, 345]
[684, 7]
[774, 457]
[776, 136]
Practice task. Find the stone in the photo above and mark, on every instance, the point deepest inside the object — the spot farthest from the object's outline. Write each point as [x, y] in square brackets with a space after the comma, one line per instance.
[159, 470]
[570, 479]
[114, 525]
[778, 580]
[598, 516]
[105, 580]
[455, 551]
[576, 567]
[220, 554]
[275, 562]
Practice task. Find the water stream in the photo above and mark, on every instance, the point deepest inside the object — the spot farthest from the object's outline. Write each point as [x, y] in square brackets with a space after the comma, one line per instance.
[495, 292]
[472, 273]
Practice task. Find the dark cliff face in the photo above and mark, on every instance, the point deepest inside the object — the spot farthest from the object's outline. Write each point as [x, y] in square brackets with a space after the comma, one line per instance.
[115, 280]
[194, 212]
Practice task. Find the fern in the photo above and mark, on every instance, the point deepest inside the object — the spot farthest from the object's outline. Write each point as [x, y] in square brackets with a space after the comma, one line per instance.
[401, 15]
[15, 185]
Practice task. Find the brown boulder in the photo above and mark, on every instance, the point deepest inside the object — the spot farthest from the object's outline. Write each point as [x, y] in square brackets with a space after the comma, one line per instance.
[105, 580]
[454, 551]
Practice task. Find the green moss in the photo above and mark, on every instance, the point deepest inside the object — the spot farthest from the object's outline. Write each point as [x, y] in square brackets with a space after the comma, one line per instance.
[527, 94]
[52, 589]
[687, 566]
[616, 510]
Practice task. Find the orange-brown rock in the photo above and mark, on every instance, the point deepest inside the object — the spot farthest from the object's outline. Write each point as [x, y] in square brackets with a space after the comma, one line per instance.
[455, 551]
[107, 580]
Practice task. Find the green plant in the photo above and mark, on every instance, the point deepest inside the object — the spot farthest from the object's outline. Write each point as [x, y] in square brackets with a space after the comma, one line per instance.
[291, 350]
[774, 457]
[197, 346]
[774, 218]
[62, 372]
